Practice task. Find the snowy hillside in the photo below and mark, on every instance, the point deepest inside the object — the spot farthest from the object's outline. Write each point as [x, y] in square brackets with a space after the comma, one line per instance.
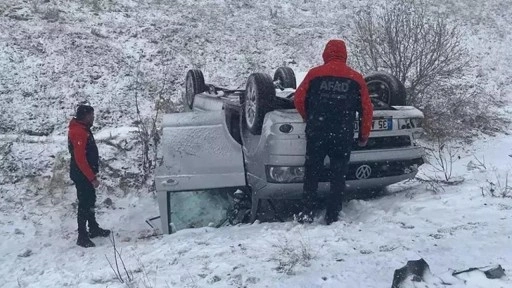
[58, 52]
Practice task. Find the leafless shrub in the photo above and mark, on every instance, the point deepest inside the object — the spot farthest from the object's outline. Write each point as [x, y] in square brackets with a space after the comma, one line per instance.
[442, 156]
[34, 6]
[433, 184]
[273, 13]
[148, 132]
[477, 163]
[10, 168]
[424, 51]
[51, 14]
[146, 282]
[418, 48]
[289, 255]
[498, 186]
[125, 277]
[96, 5]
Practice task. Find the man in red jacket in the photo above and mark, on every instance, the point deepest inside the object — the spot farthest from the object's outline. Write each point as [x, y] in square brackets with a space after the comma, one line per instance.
[328, 99]
[84, 166]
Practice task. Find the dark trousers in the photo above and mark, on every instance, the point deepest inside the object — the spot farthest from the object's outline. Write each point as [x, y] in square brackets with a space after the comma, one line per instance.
[338, 148]
[86, 195]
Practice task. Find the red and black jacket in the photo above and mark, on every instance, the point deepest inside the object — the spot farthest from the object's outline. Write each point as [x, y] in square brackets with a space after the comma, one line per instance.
[83, 150]
[330, 94]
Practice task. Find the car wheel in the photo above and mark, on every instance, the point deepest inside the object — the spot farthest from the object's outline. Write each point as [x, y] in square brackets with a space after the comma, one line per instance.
[194, 84]
[286, 77]
[257, 101]
[386, 88]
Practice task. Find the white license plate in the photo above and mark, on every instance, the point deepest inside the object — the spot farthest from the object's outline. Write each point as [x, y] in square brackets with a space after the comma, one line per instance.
[378, 124]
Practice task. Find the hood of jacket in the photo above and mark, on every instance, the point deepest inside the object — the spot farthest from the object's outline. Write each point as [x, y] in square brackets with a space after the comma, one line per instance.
[335, 50]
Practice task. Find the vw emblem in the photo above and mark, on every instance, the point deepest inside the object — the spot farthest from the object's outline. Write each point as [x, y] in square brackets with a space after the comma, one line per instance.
[363, 172]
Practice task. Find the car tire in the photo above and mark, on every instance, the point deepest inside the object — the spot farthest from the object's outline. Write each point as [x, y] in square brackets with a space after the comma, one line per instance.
[286, 77]
[387, 88]
[194, 84]
[257, 101]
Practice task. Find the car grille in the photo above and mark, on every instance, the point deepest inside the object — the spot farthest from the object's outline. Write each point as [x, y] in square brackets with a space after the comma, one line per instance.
[388, 142]
[377, 169]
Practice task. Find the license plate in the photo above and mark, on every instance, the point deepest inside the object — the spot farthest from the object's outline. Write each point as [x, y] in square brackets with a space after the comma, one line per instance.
[378, 124]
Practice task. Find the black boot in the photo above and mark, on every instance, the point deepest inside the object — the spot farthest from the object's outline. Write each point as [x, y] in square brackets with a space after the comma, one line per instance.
[83, 238]
[331, 215]
[94, 228]
[333, 209]
[84, 241]
[98, 232]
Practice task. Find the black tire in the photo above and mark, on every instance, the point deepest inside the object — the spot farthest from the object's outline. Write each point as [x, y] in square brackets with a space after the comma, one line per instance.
[387, 88]
[194, 84]
[286, 77]
[257, 101]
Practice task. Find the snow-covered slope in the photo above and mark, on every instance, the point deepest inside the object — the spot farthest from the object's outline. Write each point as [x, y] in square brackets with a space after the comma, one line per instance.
[55, 53]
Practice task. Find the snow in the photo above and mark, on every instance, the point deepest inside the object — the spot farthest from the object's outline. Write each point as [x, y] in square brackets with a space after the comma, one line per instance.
[452, 230]
[47, 66]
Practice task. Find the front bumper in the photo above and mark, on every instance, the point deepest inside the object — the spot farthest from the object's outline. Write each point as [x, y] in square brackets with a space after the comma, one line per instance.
[384, 173]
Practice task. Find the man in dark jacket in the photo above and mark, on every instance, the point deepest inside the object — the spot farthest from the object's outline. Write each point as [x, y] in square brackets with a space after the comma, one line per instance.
[83, 169]
[328, 99]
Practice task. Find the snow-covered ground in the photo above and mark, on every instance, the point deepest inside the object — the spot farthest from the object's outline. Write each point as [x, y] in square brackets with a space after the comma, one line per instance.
[58, 52]
[459, 228]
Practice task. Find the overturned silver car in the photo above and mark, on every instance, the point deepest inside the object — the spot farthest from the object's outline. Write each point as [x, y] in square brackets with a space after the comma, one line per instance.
[253, 141]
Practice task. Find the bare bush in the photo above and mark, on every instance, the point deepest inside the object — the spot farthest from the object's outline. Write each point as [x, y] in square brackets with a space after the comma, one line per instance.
[125, 276]
[10, 168]
[425, 52]
[96, 5]
[477, 163]
[51, 15]
[289, 255]
[148, 132]
[499, 185]
[433, 185]
[441, 157]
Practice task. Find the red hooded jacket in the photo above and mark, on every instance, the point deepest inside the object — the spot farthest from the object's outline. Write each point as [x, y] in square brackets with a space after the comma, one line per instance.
[83, 150]
[335, 57]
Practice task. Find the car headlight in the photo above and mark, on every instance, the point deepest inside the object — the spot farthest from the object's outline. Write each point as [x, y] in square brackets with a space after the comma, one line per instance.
[285, 174]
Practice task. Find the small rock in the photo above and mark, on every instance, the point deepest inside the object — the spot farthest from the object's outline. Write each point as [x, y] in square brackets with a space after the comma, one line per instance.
[386, 248]
[214, 279]
[26, 254]
[18, 232]
[324, 278]
[436, 236]
[366, 252]
[406, 226]
[495, 273]
[108, 202]
[252, 280]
